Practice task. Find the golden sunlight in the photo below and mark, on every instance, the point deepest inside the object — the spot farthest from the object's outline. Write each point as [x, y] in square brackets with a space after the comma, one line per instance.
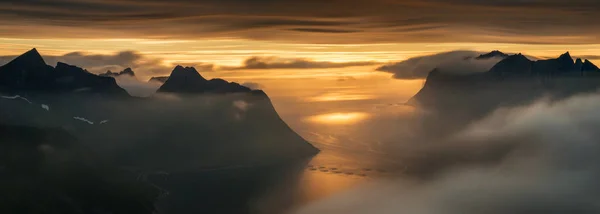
[339, 97]
[338, 118]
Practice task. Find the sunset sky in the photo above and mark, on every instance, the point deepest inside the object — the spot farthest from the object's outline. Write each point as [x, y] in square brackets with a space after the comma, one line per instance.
[227, 32]
[320, 50]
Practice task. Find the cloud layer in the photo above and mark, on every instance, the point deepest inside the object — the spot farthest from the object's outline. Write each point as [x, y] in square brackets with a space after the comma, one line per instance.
[335, 21]
[284, 63]
[550, 165]
[146, 67]
[461, 62]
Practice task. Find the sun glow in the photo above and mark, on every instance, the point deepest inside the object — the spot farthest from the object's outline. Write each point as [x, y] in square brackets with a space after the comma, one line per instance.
[339, 97]
[339, 118]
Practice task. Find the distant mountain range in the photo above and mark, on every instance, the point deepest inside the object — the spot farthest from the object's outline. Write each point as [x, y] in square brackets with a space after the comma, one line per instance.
[28, 73]
[126, 72]
[190, 123]
[516, 80]
[161, 79]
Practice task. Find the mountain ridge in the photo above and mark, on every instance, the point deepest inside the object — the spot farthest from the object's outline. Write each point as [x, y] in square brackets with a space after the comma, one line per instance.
[187, 80]
[457, 100]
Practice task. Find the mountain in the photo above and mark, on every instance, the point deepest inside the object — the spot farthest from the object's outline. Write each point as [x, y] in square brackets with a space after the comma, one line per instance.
[162, 79]
[564, 64]
[492, 54]
[127, 72]
[187, 80]
[28, 73]
[589, 66]
[514, 81]
[517, 63]
[200, 123]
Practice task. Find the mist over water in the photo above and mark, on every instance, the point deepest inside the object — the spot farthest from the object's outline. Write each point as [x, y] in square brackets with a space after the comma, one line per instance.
[544, 161]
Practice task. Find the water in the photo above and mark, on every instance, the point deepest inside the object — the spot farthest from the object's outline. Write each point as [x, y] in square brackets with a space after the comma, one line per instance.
[353, 123]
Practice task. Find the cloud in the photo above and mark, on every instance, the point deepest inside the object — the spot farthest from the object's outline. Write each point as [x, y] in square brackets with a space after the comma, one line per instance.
[462, 62]
[137, 88]
[321, 30]
[590, 57]
[144, 66]
[533, 21]
[346, 78]
[285, 63]
[253, 85]
[549, 165]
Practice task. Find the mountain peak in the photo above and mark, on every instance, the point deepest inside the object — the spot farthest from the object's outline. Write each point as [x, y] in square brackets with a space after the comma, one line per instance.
[588, 66]
[494, 53]
[188, 80]
[31, 59]
[517, 63]
[566, 57]
[187, 73]
[566, 62]
[126, 71]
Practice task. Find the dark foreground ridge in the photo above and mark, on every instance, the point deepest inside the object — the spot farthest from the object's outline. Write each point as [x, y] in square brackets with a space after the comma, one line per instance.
[46, 170]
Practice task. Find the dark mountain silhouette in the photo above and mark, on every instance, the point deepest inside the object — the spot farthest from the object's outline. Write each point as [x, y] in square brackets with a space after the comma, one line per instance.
[29, 73]
[517, 63]
[127, 72]
[564, 64]
[589, 66]
[514, 81]
[201, 123]
[187, 80]
[492, 54]
[159, 79]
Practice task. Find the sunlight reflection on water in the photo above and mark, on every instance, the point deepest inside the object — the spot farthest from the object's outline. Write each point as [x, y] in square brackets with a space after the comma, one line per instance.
[338, 118]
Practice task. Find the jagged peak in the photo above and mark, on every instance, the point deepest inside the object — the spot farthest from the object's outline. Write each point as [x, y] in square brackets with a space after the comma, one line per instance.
[518, 56]
[187, 72]
[566, 55]
[127, 71]
[31, 58]
[494, 53]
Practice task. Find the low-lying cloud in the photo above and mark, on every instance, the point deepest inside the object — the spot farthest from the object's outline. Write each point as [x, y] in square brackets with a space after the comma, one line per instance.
[459, 62]
[550, 164]
[136, 87]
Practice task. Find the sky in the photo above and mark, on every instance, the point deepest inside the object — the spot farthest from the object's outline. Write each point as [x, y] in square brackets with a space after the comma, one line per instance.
[299, 38]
